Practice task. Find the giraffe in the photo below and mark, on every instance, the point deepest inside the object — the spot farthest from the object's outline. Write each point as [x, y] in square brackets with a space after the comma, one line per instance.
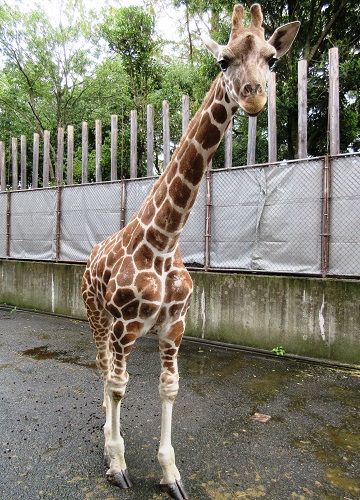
[135, 281]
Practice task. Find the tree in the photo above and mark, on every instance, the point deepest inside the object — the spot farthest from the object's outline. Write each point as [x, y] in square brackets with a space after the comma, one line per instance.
[43, 77]
[324, 24]
[129, 31]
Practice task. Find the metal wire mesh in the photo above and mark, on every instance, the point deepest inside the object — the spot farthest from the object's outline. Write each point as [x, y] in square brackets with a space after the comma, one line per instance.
[89, 214]
[136, 192]
[344, 255]
[192, 239]
[33, 224]
[265, 218]
[268, 218]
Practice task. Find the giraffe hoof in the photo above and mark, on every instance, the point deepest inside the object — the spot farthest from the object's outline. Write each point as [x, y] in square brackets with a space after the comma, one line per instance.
[175, 490]
[120, 479]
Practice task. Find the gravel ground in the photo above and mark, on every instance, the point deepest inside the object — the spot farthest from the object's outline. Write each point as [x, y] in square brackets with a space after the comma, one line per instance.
[51, 420]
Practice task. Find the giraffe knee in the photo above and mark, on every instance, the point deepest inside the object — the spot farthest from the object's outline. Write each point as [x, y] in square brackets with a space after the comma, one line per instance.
[116, 389]
[168, 386]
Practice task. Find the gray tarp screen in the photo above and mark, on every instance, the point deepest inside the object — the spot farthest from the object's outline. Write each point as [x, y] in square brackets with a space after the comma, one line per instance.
[267, 218]
[264, 218]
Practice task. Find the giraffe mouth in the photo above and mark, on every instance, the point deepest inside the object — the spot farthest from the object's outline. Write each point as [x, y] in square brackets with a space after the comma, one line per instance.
[253, 105]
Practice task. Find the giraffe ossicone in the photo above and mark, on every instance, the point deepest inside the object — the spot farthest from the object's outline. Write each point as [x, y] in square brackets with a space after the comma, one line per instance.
[135, 281]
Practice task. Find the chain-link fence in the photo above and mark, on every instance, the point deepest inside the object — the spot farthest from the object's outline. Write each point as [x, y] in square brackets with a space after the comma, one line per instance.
[289, 217]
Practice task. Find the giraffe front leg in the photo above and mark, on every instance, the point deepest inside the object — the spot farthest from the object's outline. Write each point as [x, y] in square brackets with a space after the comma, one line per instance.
[168, 388]
[114, 451]
[121, 342]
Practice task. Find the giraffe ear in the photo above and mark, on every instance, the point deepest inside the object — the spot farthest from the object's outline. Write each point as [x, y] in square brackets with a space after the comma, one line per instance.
[213, 47]
[283, 37]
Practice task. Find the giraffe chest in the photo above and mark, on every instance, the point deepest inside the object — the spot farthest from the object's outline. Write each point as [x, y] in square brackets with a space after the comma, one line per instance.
[152, 292]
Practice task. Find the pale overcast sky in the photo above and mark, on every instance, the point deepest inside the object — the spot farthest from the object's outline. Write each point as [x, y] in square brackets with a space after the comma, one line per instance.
[166, 21]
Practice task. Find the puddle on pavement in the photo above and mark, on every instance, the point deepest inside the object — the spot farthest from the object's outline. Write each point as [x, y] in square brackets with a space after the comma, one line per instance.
[338, 449]
[271, 382]
[43, 353]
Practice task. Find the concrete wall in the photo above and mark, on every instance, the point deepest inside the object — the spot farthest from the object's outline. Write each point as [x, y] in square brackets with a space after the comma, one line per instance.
[313, 317]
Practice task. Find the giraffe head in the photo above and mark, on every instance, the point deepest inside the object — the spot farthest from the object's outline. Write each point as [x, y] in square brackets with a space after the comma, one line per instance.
[247, 59]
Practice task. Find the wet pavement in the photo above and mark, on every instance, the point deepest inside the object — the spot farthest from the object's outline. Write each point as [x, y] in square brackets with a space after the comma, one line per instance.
[51, 420]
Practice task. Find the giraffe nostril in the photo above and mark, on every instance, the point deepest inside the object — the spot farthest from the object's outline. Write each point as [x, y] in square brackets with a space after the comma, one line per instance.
[250, 89]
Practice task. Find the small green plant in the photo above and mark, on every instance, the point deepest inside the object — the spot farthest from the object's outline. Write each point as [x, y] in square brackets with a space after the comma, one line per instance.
[14, 309]
[279, 350]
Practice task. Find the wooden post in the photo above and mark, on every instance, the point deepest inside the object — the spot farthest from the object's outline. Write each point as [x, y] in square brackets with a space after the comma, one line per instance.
[334, 115]
[85, 152]
[60, 157]
[114, 139]
[98, 150]
[23, 181]
[46, 164]
[70, 155]
[2, 166]
[133, 144]
[166, 133]
[228, 145]
[272, 141]
[14, 163]
[150, 140]
[251, 145]
[35, 164]
[185, 112]
[302, 108]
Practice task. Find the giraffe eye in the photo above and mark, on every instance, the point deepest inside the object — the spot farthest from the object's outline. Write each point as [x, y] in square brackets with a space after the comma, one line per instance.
[272, 62]
[224, 64]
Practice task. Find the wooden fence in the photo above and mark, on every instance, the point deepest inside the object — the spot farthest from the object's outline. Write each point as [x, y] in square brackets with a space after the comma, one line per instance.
[57, 176]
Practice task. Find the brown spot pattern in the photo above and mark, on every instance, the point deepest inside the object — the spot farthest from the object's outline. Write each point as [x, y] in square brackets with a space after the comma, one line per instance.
[177, 286]
[192, 165]
[156, 239]
[179, 192]
[168, 218]
[160, 194]
[130, 311]
[219, 112]
[149, 285]
[143, 257]
[148, 213]
[208, 134]
[125, 276]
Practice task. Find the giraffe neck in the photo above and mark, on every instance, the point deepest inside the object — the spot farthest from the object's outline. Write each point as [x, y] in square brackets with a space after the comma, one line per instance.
[167, 208]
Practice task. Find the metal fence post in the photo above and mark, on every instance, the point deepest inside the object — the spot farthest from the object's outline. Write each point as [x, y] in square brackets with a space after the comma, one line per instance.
[325, 216]
[123, 204]
[8, 222]
[208, 218]
[58, 224]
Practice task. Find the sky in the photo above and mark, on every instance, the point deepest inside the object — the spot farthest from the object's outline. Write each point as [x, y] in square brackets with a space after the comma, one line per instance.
[166, 19]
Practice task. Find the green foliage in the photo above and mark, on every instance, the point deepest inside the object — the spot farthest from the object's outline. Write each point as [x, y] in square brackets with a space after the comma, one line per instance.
[279, 350]
[88, 66]
[129, 32]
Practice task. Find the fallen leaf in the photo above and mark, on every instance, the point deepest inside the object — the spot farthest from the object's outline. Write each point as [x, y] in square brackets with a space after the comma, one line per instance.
[261, 417]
